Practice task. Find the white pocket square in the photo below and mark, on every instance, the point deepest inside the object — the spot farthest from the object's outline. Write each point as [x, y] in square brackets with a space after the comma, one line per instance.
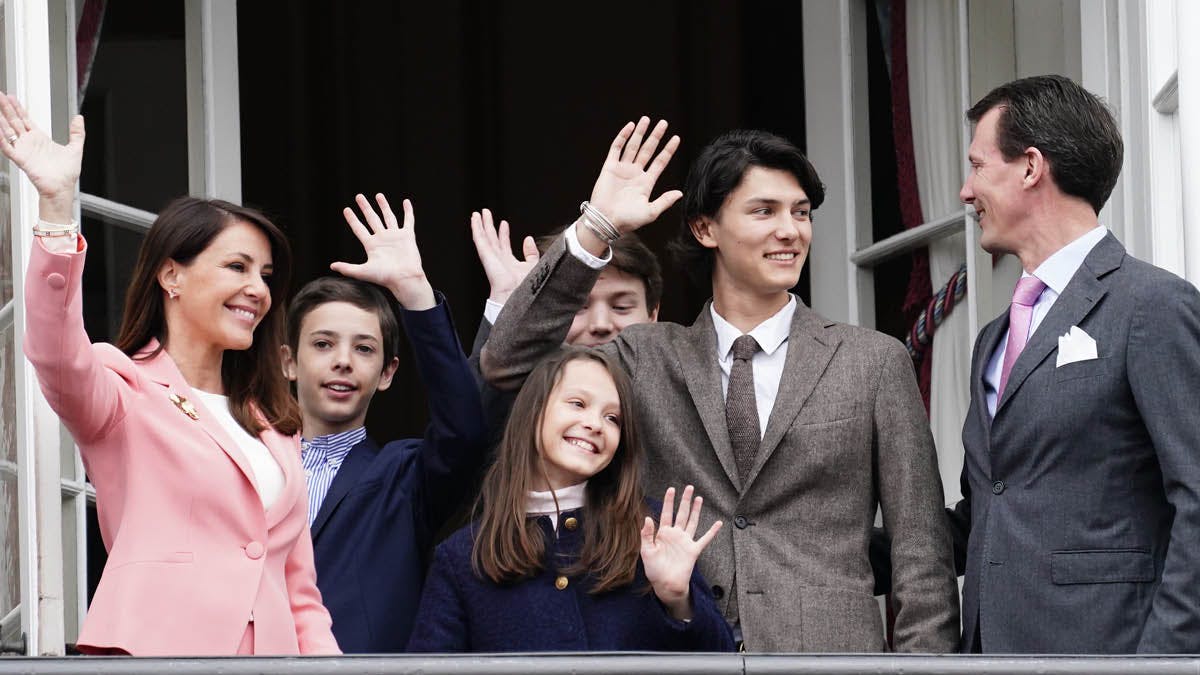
[1076, 345]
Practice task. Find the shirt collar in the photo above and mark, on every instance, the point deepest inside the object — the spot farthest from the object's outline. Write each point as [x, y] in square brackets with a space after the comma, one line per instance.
[334, 447]
[1057, 270]
[769, 334]
[542, 503]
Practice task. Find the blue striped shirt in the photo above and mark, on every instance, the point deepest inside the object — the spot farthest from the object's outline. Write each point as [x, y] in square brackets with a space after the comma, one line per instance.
[321, 458]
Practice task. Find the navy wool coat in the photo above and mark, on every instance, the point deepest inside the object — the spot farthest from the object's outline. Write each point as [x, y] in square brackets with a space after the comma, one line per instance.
[373, 532]
[462, 612]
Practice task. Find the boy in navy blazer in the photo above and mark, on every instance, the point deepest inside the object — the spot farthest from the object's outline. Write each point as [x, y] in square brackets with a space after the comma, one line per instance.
[375, 510]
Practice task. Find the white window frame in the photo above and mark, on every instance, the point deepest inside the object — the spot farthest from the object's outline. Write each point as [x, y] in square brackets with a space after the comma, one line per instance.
[39, 37]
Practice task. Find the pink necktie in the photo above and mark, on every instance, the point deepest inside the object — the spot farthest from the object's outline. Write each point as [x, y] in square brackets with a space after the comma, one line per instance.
[1020, 315]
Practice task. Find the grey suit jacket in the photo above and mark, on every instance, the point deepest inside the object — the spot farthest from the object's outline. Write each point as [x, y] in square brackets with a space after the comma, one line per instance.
[1083, 493]
[848, 433]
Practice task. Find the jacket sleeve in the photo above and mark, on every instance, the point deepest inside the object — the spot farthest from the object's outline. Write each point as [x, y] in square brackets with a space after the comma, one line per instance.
[706, 632]
[537, 316]
[456, 438]
[314, 627]
[86, 394]
[924, 588]
[1164, 375]
[441, 622]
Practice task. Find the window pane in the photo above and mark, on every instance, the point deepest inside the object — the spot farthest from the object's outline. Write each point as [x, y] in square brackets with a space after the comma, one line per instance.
[135, 102]
[10, 573]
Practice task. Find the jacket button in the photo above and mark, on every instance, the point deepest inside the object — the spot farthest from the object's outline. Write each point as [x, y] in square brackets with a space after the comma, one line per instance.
[560, 583]
[571, 523]
[254, 550]
[718, 592]
[997, 487]
[740, 522]
[56, 281]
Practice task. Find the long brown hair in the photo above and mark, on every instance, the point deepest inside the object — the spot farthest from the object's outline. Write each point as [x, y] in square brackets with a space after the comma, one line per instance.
[508, 546]
[253, 377]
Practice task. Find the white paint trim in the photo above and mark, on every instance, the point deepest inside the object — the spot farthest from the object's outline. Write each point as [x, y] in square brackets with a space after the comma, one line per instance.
[1188, 79]
[837, 135]
[908, 240]
[116, 213]
[979, 262]
[214, 109]
[28, 76]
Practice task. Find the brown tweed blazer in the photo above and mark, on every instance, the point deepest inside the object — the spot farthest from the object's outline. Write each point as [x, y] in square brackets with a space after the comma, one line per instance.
[848, 434]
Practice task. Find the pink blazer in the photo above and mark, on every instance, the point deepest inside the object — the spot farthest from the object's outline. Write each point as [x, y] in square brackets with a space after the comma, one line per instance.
[193, 556]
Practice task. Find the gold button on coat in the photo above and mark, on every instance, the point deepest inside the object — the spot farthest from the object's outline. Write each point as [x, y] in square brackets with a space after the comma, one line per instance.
[560, 583]
[571, 523]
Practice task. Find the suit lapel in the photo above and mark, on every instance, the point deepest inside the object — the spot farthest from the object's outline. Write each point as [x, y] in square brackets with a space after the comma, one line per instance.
[285, 450]
[988, 344]
[161, 368]
[703, 377]
[808, 354]
[1076, 301]
[356, 461]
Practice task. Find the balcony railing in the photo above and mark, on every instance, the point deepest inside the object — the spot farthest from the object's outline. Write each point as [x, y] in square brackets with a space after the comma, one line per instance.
[614, 664]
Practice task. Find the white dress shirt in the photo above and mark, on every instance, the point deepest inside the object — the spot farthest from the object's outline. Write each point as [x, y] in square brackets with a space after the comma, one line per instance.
[267, 474]
[771, 336]
[1056, 273]
[767, 363]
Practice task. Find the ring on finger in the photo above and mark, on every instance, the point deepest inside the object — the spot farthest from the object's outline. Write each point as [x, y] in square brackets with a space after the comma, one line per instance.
[12, 139]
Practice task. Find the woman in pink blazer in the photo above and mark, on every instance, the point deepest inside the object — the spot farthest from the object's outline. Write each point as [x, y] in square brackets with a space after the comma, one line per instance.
[186, 426]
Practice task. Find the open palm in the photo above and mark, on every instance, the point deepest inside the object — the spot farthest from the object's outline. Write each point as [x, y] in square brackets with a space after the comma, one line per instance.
[53, 168]
[503, 269]
[393, 259]
[670, 554]
[622, 191]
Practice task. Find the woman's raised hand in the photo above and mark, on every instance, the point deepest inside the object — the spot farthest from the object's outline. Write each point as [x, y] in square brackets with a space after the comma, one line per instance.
[622, 192]
[393, 259]
[669, 554]
[52, 168]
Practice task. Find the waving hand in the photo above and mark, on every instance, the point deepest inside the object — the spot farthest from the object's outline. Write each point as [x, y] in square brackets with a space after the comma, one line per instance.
[622, 191]
[504, 271]
[52, 168]
[669, 555]
[393, 260]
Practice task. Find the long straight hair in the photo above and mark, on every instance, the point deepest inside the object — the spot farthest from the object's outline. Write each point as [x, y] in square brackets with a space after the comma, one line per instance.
[253, 377]
[508, 545]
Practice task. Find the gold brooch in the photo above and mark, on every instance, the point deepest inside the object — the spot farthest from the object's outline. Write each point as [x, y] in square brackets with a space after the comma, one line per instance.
[185, 406]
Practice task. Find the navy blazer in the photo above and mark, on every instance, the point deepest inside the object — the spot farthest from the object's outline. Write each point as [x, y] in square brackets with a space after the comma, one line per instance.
[376, 525]
[462, 612]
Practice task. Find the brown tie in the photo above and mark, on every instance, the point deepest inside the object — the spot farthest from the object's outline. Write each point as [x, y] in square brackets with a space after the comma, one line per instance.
[741, 416]
[741, 411]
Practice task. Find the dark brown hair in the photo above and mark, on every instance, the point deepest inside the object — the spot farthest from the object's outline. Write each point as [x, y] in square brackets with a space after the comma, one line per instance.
[716, 173]
[361, 294]
[631, 256]
[1071, 127]
[508, 545]
[253, 377]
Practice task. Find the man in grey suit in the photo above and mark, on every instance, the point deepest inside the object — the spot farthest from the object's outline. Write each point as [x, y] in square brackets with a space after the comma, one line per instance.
[794, 428]
[1082, 471]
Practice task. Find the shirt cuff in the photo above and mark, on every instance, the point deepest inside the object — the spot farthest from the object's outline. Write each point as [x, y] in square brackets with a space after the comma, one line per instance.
[581, 253]
[491, 310]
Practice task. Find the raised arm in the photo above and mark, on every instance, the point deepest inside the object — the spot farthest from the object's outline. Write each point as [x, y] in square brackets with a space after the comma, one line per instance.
[538, 315]
[84, 390]
[456, 438]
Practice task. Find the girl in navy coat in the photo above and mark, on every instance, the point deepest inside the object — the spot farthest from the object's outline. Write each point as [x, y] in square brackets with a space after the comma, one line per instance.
[556, 561]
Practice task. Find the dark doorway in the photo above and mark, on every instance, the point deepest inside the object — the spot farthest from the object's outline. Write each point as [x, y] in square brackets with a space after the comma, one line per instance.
[509, 105]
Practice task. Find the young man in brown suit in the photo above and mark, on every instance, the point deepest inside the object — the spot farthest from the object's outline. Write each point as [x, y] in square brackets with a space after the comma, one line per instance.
[794, 428]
